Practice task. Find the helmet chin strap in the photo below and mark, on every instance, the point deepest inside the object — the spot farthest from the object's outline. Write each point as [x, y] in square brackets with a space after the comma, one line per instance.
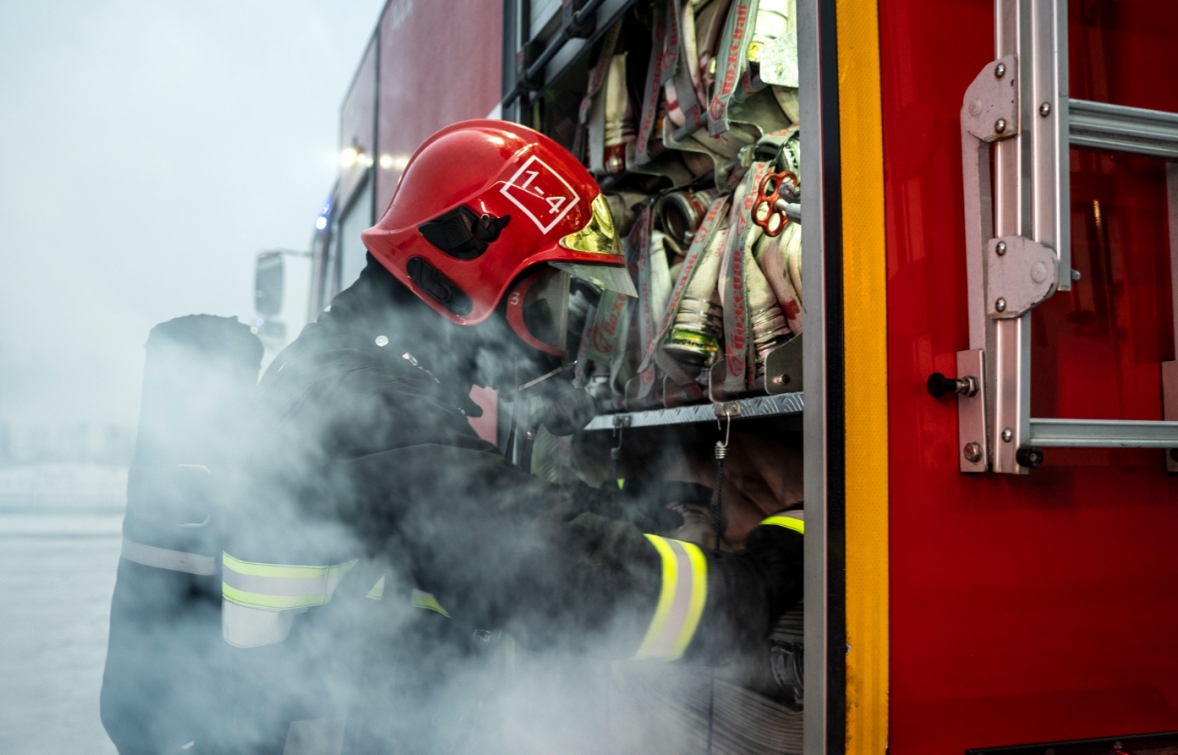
[557, 404]
[548, 375]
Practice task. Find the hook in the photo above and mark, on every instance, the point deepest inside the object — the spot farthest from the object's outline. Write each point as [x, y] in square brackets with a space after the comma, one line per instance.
[615, 453]
[722, 447]
[718, 496]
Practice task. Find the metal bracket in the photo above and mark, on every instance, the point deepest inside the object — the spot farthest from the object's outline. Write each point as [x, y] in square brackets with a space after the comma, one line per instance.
[727, 409]
[1020, 274]
[1170, 407]
[989, 111]
[579, 25]
[972, 450]
[1170, 369]
[783, 367]
[989, 115]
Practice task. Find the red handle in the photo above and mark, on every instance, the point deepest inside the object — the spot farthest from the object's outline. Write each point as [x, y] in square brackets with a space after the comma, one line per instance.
[769, 192]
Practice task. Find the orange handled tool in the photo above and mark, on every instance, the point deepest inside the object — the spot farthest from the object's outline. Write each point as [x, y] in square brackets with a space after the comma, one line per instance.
[775, 192]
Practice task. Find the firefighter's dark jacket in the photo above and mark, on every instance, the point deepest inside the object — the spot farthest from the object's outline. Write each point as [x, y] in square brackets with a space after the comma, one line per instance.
[367, 453]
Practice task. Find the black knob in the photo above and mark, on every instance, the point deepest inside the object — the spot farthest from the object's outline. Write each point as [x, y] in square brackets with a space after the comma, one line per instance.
[1029, 456]
[938, 385]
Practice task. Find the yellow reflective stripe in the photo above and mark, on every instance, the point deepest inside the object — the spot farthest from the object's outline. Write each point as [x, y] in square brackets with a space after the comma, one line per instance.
[422, 599]
[284, 571]
[681, 600]
[419, 599]
[666, 596]
[279, 586]
[377, 591]
[699, 596]
[789, 522]
[271, 602]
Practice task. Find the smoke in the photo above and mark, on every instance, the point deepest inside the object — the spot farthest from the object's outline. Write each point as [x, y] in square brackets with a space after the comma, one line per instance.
[149, 150]
[352, 456]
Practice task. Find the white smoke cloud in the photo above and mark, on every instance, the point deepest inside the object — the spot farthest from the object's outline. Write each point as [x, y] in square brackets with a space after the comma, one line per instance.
[148, 150]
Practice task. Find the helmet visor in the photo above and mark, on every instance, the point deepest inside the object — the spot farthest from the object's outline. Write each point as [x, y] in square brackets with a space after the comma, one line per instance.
[605, 277]
[599, 237]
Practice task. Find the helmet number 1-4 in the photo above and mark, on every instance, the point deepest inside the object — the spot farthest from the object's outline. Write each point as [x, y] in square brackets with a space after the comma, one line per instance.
[541, 193]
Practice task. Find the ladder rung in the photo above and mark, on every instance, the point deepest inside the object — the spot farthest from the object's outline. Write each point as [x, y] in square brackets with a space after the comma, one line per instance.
[1116, 128]
[1103, 433]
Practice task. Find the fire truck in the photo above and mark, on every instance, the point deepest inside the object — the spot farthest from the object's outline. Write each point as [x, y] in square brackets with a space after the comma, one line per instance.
[984, 186]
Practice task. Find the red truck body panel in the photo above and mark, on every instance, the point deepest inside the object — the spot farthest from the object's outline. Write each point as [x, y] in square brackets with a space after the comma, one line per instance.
[1040, 607]
[440, 62]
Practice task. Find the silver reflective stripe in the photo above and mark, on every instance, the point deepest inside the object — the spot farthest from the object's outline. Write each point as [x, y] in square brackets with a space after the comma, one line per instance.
[315, 736]
[162, 558]
[246, 627]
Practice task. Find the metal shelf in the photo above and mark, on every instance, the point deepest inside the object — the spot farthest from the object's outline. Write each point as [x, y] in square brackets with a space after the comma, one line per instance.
[760, 406]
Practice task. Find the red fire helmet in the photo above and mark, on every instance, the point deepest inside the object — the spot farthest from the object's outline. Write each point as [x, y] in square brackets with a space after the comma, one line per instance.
[480, 203]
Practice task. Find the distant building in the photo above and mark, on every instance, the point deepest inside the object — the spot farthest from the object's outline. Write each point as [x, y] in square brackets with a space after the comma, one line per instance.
[78, 443]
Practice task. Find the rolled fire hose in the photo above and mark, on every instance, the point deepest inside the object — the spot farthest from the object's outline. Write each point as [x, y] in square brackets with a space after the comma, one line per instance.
[770, 328]
[618, 126]
[694, 340]
[771, 256]
[681, 212]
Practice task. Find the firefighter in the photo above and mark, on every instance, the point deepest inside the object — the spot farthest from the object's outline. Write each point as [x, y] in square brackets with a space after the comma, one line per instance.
[372, 524]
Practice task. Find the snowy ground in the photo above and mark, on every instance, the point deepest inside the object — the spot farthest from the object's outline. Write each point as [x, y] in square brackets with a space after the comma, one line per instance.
[59, 547]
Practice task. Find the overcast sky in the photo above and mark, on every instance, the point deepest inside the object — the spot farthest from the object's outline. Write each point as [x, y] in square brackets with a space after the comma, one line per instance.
[148, 150]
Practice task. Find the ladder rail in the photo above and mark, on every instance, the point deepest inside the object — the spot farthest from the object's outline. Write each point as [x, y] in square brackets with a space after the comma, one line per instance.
[1103, 433]
[1119, 128]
